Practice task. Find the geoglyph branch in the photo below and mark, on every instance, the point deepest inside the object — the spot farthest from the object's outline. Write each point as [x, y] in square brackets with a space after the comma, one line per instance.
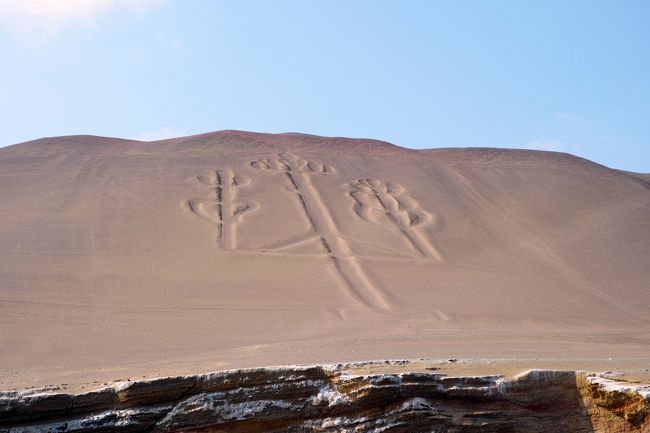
[384, 203]
[222, 206]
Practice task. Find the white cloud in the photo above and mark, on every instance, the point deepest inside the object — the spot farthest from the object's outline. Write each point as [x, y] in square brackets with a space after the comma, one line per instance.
[553, 145]
[161, 134]
[165, 40]
[575, 121]
[26, 17]
[567, 117]
[547, 144]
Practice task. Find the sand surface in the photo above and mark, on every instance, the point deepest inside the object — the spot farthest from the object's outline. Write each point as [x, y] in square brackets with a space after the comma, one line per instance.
[124, 259]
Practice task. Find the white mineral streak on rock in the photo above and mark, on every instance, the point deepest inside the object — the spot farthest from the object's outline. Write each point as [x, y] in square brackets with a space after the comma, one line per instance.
[330, 395]
[327, 399]
[616, 386]
[418, 403]
[248, 409]
[108, 420]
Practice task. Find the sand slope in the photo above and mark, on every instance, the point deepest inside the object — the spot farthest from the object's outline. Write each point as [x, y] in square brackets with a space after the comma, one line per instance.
[242, 249]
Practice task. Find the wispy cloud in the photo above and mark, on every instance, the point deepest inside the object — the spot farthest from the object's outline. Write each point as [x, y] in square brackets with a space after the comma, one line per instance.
[549, 144]
[164, 39]
[568, 117]
[553, 145]
[571, 120]
[26, 17]
[161, 134]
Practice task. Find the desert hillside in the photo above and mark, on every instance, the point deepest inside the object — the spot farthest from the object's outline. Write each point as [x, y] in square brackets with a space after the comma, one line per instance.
[243, 249]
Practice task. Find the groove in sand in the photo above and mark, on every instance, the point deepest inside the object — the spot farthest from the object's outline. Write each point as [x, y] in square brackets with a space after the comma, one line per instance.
[298, 173]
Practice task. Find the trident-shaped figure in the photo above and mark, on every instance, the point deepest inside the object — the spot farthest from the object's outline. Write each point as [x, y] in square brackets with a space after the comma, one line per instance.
[384, 203]
[222, 206]
[299, 174]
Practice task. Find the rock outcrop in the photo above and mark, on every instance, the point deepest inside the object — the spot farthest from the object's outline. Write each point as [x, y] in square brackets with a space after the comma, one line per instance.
[336, 398]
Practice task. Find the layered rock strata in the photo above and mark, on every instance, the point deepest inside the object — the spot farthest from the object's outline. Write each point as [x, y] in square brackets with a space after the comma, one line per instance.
[336, 398]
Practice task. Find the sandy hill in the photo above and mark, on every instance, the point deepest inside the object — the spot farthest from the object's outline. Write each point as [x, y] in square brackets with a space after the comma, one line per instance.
[241, 249]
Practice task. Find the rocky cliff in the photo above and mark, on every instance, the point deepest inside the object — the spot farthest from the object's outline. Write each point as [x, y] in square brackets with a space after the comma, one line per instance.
[336, 398]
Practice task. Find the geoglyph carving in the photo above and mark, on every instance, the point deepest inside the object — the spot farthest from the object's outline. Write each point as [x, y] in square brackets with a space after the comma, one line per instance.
[384, 203]
[299, 174]
[375, 201]
[221, 206]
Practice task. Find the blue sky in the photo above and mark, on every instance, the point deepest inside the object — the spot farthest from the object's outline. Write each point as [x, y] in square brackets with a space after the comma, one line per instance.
[571, 76]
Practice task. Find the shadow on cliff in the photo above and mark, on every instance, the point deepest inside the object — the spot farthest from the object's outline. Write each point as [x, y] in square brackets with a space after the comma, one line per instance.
[553, 401]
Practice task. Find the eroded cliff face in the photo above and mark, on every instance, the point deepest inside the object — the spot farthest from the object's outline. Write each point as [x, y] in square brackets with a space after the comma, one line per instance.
[338, 398]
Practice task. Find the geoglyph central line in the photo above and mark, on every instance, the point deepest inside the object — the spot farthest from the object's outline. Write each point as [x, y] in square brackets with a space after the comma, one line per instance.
[298, 173]
[222, 207]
